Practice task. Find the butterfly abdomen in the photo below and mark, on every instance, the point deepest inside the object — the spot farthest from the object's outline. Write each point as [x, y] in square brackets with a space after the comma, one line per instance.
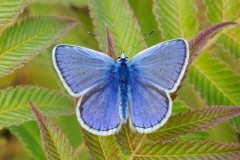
[123, 71]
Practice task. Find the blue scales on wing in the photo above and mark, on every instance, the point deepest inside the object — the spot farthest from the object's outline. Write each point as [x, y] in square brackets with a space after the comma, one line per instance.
[80, 68]
[90, 75]
[155, 72]
[98, 109]
[150, 107]
[163, 64]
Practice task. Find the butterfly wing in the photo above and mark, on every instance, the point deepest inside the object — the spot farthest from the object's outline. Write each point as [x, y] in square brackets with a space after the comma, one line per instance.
[98, 109]
[79, 68]
[150, 107]
[163, 64]
[91, 75]
[155, 72]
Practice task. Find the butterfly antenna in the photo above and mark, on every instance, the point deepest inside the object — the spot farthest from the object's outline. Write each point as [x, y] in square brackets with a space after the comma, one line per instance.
[148, 35]
[100, 41]
[93, 35]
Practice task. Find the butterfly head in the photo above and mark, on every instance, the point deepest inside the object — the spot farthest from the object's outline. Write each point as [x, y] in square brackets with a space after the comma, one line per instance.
[122, 58]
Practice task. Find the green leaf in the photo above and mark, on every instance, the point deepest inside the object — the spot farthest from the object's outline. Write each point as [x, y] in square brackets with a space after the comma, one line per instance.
[216, 82]
[176, 18]
[14, 104]
[10, 9]
[29, 135]
[201, 39]
[145, 16]
[193, 121]
[128, 141]
[64, 122]
[178, 106]
[230, 41]
[222, 10]
[189, 150]
[55, 144]
[119, 18]
[100, 147]
[202, 135]
[69, 3]
[22, 41]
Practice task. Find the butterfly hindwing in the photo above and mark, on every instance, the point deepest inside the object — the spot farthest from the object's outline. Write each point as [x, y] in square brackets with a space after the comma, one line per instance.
[98, 109]
[150, 107]
[80, 68]
[163, 64]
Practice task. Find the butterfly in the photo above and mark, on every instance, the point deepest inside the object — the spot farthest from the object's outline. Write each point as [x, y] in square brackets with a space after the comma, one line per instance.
[113, 92]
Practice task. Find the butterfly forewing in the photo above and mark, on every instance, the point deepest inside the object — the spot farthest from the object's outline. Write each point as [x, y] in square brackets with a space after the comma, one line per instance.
[163, 64]
[80, 68]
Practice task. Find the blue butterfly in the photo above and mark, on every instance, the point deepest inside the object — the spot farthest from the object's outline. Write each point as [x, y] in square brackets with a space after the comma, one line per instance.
[112, 92]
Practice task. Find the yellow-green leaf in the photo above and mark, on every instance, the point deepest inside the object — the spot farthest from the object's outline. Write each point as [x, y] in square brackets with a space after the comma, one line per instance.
[28, 133]
[216, 82]
[22, 41]
[10, 9]
[101, 147]
[128, 141]
[55, 143]
[118, 16]
[222, 10]
[193, 121]
[189, 150]
[14, 104]
[176, 18]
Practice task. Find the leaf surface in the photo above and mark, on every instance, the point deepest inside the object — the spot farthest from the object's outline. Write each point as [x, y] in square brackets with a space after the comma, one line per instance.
[55, 143]
[216, 83]
[193, 121]
[189, 150]
[29, 135]
[22, 41]
[176, 19]
[222, 10]
[100, 147]
[14, 104]
[10, 9]
[128, 141]
[118, 16]
[201, 39]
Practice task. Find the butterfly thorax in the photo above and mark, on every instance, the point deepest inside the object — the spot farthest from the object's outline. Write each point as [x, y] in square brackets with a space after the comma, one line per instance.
[123, 72]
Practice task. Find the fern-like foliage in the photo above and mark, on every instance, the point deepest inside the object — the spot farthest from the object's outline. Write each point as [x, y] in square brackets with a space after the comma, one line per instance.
[56, 145]
[125, 35]
[100, 147]
[220, 11]
[192, 121]
[216, 82]
[10, 9]
[176, 18]
[22, 41]
[128, 140]
[209, 74]
[189, 150]
[28, 133]
[15, 109]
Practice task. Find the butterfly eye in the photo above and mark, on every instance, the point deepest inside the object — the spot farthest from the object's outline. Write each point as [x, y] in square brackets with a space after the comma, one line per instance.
[119, 58]
[126, 57]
